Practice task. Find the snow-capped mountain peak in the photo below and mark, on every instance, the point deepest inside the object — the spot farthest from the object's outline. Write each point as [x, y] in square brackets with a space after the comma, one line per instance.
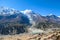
[26, 11]
[7, 11]
[50, 14]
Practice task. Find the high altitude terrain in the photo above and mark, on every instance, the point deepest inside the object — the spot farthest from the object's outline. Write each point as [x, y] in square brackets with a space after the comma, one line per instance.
[15, 21]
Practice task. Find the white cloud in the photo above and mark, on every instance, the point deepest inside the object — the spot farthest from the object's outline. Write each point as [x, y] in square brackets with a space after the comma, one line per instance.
[26, 11]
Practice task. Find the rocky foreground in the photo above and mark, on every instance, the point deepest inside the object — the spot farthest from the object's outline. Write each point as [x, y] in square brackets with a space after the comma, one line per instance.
[48, 36]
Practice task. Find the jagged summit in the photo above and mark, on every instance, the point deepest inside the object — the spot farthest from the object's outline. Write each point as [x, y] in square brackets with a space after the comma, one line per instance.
[7, 11]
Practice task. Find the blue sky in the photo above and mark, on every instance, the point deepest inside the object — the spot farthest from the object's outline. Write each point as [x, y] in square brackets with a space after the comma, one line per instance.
[44, 7]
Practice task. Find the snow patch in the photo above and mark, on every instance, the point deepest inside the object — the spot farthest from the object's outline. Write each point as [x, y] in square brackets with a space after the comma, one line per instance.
[26, 11]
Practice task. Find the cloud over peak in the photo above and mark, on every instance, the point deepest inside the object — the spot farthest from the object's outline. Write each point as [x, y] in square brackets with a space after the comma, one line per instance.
[26, 11]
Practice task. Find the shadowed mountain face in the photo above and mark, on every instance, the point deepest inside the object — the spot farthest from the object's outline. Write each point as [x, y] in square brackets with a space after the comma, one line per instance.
[53, 18]
[11, 15]
[14, 21]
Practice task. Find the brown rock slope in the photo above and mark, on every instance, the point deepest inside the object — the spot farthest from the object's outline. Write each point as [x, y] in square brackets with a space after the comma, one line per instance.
[49, 36]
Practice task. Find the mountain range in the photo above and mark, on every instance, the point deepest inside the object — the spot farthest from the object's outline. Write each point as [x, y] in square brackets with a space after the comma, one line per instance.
[15, 21]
